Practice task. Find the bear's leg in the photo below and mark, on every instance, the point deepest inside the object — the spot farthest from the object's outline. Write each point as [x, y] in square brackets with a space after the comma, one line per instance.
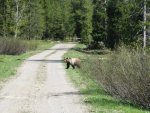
[68, 65]
[78, 66]
[73, 66]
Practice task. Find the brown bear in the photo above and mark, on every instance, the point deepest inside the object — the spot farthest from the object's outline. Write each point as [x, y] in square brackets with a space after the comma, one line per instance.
[74, 62]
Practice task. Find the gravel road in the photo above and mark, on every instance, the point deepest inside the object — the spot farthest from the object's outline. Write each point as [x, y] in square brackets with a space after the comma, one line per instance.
[41, 86]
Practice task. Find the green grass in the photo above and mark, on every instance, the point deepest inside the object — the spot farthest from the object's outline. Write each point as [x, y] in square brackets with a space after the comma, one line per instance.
[94, 95]
[9, 63]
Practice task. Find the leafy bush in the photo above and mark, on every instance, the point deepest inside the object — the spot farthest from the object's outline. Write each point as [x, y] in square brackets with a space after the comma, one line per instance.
[125, 75]
[12, 46]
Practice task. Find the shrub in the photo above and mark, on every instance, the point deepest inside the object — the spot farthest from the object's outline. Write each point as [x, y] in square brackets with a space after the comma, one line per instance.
[125, 75]
[12, 46]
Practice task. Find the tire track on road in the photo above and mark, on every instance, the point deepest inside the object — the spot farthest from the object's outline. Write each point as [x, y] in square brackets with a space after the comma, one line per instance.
[35, 94]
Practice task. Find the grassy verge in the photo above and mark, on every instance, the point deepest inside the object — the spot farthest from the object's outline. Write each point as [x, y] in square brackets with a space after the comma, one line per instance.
[94, 95]
[9, 63]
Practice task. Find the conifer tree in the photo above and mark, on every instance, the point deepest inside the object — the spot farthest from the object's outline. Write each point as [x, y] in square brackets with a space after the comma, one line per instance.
[99, 22]
[82, 16]
[3, 18]
[34, 20]
[124, 22]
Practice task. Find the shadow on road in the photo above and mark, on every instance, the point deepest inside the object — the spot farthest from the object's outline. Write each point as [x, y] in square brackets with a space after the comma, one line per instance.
[46, 61]
[58, 49]
[66, 93]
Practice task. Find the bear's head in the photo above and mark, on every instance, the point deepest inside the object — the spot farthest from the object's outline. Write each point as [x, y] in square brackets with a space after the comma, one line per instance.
[66, 59]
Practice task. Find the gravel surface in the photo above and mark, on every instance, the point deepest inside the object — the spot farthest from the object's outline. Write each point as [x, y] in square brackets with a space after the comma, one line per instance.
[41, 86]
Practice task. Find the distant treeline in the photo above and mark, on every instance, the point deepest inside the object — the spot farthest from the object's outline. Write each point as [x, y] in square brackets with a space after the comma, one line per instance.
[109, 21]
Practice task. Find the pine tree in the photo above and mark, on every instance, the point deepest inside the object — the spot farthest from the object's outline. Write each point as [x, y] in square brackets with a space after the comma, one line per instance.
[99, 22]
[82, 17]
[34, 24]
[3, 18]
[124, 22]
[6, 18]
[131, 22]
[113, 17]
[57, 19]
[46, 19]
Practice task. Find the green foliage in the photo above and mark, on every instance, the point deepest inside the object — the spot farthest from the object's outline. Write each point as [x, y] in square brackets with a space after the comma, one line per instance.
[122, 16]
[33, 25]
[2, 15]
[99, 21]
[82, 18]
[57, 15]
[21, 19]
[6, 19]
[9, 63]
[113, 17]
[108, 21]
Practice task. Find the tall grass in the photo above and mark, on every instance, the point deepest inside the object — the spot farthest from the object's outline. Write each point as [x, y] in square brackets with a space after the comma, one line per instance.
[12, 46]
[125, 75]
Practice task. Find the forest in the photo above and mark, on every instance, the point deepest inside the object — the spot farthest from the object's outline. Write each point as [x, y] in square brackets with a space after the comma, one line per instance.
[109, 21]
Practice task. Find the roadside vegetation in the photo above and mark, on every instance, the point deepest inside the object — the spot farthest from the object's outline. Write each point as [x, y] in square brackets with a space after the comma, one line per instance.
[116, 82]
[13, 52]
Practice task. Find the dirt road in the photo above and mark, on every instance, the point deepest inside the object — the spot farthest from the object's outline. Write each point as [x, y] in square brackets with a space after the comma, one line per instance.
[41, 86]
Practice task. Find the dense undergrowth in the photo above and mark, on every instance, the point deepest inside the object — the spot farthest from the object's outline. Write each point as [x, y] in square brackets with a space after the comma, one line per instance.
[122, 74]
